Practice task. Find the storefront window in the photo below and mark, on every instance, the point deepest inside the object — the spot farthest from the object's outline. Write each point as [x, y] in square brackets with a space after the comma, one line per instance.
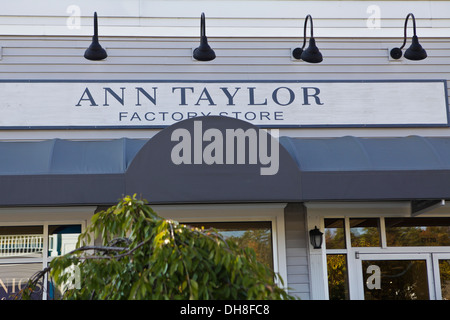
[21, 255]
[388, 273]
[62, 239]
[13, 277]
[365, 232]
[417, 232]
[395, 280]
[255, 235]
[444, 271]
[337, 277]
[334, 234]
[21, 241]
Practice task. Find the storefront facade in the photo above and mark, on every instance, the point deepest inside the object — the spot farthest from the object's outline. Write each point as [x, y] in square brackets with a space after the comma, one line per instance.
[257, 143]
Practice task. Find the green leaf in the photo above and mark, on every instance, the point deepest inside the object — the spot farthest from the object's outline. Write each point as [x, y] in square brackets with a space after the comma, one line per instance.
[194, 290]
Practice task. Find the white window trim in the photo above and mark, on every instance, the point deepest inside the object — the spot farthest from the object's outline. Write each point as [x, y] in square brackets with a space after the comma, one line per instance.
[237, 212]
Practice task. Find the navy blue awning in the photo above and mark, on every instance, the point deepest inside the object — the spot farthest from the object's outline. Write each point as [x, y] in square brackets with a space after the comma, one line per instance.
[58, 156]
[64, 172]
[369, 154]
[351, 168]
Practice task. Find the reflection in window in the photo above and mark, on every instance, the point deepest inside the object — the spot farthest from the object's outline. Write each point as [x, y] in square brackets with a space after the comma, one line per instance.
[444, 271]
[334, 234]
[13, 278]
[365, 232]
[395, 280]
[417, 232]
[21, 241]
[256, 235]
[62, 239]
[337, 277]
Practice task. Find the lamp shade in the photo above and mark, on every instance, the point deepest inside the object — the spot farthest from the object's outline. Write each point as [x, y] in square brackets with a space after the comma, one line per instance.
[312, 53]
[95, 50]
[204, 51]
[415, 51]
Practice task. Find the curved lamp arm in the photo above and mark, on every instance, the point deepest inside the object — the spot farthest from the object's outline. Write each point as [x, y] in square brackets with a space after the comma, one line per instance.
[406, 28]
[202, 25]
[304, 30]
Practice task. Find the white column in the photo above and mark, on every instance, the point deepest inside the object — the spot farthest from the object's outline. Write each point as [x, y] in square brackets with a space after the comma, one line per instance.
[317, 262]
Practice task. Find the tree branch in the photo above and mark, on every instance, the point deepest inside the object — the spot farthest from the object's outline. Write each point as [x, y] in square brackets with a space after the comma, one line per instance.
[100, 248]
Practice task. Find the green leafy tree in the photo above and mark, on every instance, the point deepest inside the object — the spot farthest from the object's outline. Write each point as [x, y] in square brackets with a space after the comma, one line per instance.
[143, 256]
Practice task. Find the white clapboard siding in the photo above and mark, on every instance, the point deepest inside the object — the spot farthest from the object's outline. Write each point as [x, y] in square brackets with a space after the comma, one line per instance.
[237, 59]
[224, 18]
[297, 255]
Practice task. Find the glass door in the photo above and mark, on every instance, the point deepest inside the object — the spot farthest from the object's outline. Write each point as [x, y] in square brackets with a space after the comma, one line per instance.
[395, 277]
[441, 269]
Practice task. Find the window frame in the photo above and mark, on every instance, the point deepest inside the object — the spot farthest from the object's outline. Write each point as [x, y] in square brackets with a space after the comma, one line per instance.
[45, 217]
[273, 212]
[317, 212]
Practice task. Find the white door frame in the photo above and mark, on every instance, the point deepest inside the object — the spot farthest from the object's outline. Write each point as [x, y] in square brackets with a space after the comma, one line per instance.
[437, 279]
[396, 256]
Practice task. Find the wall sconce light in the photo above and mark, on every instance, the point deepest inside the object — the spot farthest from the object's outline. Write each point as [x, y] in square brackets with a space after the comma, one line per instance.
[204, 51]
[95, 50]
[312, 53]
[315, 237]
[415, 51]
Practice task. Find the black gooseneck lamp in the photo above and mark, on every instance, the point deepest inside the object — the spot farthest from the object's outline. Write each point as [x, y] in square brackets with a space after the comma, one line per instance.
[312, 53]
[95, 50]
[204, 51]
[415, 51]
